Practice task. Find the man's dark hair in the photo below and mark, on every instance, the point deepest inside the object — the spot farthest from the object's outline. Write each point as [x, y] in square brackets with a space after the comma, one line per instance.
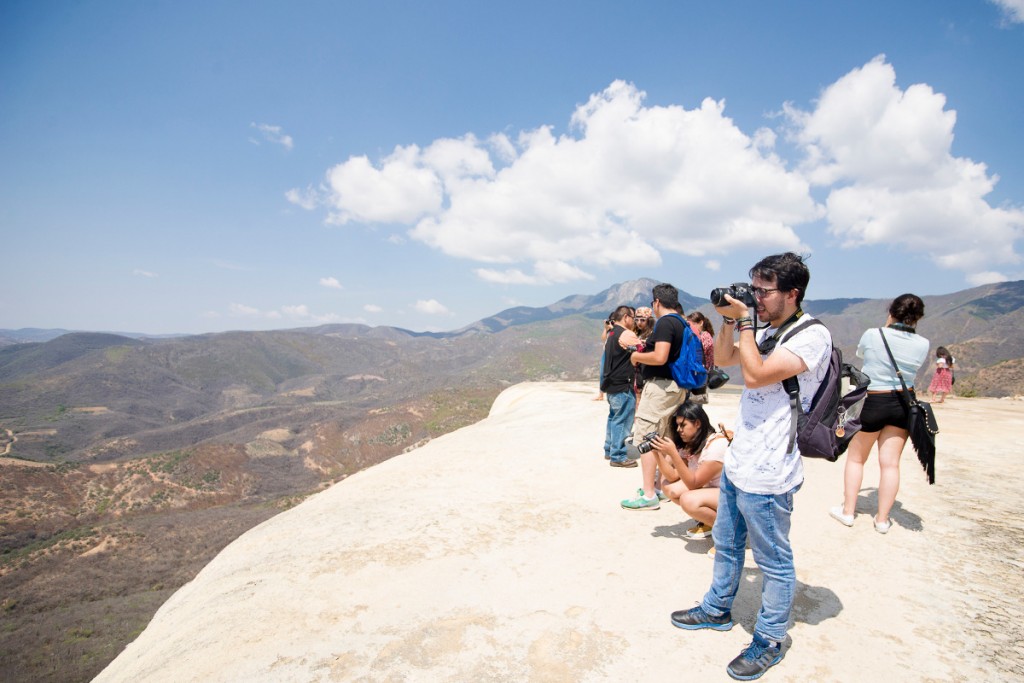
[621, 312]
[907, 309]
[787, 270]
[668, 296]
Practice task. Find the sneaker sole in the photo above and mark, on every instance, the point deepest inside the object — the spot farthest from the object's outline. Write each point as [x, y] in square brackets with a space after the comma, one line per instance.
[698, 537]
[707, 624]
[646, 507]
[755, 676]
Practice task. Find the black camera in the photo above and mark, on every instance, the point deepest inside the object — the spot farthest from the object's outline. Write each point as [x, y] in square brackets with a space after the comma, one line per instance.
[647, 445]
[740, 291]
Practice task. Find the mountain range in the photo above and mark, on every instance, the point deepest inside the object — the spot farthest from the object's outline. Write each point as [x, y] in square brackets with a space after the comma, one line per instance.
[89, 395]
[128, 461]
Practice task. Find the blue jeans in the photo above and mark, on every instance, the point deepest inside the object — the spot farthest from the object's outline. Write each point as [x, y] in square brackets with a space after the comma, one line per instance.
[621, 407]
[766, 520]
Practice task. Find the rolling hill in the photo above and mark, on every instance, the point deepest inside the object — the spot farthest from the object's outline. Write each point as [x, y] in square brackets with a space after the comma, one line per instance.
[132, 460]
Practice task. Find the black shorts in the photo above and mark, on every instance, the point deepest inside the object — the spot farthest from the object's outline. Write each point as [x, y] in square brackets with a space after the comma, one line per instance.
[884, 410]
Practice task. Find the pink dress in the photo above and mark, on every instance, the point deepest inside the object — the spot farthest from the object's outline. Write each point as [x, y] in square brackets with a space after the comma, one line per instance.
[942, 380]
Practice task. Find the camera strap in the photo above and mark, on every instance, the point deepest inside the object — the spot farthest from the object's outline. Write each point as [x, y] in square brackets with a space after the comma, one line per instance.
[768, 345]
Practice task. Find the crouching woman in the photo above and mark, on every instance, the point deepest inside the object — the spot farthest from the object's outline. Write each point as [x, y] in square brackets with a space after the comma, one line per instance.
[691, 466]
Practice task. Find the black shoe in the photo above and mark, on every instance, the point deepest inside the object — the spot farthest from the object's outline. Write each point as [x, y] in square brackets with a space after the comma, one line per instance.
[622, 463]
[696, 618]
[759, 656]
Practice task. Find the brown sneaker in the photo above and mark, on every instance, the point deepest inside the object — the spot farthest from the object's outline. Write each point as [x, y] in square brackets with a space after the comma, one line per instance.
[622, 463]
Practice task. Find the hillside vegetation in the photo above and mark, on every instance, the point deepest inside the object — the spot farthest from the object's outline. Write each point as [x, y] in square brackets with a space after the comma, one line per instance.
[128, 462]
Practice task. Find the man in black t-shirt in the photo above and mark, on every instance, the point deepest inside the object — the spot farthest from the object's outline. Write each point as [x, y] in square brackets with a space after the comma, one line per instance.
[661, 395]
[617, 385]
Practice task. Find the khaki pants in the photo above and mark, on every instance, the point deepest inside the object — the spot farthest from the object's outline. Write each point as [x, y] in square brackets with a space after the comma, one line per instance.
[657, 405]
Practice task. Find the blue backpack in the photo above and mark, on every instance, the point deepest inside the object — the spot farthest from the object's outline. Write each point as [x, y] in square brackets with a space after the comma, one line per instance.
[688, 369]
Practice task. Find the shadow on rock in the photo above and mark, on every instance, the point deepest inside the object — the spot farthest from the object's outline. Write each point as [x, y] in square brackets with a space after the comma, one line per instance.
[867, 503]
[811, 604]
[696, 546]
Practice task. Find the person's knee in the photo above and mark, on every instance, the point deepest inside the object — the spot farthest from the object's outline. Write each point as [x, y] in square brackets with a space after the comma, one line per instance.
[889, 465]
[688, 504]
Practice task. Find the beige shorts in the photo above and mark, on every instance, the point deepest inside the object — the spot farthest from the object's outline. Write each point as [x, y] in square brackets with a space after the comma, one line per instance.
[657, 404]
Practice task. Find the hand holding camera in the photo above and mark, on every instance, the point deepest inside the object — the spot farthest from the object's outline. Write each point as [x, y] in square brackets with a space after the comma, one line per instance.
[734, 301]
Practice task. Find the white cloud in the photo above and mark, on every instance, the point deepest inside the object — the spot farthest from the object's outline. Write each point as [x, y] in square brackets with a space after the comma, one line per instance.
[713, 265]
[431, 307]
[630, 182]
[330, 283]
[400, 191]
[243, 311]
[273, 134]
[144, 273]
[308, 199]
[545, 273]
[986, 278]
[512, 276]
[886, 155]
[300, 311]
[299, 314]
[372, 308]
[1013, 10]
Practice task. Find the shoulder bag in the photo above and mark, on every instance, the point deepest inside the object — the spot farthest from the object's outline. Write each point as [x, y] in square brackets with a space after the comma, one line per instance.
[922, 424]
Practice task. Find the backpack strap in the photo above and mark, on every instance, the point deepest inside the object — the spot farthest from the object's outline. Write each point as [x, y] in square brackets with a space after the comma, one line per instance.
[792, 385]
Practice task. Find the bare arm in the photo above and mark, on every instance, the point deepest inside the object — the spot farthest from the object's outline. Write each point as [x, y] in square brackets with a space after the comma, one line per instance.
[664, 450]
[757, 372]
[693, 479]
[725, 346]
[706, 471]
[659, 356]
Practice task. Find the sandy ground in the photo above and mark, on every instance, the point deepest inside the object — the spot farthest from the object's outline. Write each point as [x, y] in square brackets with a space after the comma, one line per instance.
[499, 552]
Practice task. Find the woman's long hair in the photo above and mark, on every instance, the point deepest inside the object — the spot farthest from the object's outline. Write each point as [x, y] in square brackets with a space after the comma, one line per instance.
[702, 321]
[943, 352]
[693, 412]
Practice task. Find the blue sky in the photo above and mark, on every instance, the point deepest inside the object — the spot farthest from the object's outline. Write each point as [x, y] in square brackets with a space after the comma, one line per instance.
[189, 167]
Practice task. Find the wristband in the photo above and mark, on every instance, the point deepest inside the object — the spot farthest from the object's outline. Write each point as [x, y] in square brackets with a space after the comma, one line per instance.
[745, 320]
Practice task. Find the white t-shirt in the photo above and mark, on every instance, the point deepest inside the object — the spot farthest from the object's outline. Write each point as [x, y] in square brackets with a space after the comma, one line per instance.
[714, 451]
[757, 461]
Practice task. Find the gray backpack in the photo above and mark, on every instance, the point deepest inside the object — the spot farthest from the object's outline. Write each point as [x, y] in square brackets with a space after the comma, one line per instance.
[834, 417]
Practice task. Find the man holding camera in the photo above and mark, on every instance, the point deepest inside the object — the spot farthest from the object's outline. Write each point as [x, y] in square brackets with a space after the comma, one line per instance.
[617, 385]
[761, 473]
[661, 395]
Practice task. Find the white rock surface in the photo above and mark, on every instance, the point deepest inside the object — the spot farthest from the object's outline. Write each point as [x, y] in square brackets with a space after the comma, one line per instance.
[499, 553]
